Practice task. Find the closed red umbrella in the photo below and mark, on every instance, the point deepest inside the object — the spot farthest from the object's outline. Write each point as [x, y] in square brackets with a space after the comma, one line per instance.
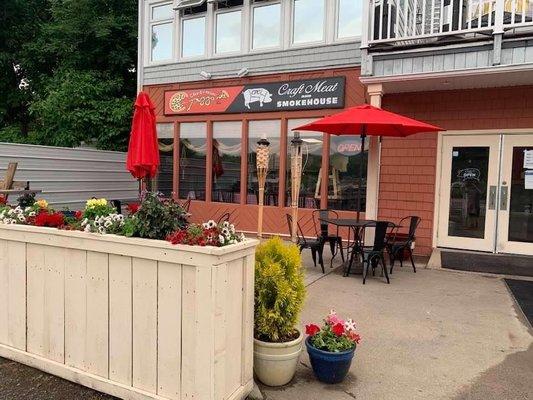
[143, 150]
[367, 120]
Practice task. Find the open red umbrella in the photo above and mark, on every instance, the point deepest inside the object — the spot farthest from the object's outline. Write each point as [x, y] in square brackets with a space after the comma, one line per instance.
[143, 150]
[366, 120]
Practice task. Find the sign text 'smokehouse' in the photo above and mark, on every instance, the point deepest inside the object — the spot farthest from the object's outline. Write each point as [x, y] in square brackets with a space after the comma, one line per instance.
[308, 94]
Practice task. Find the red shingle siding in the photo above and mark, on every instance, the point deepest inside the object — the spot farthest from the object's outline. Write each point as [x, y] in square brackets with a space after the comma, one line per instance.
[408, 166]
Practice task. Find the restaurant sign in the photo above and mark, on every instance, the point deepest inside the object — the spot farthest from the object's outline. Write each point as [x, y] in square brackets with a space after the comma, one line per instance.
[309, 94]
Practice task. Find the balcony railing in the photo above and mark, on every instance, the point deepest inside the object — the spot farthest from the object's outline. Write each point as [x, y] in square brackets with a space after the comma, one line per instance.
[425, 20]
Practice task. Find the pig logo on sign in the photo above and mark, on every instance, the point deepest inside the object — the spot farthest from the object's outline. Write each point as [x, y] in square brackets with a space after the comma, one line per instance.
[256, 95]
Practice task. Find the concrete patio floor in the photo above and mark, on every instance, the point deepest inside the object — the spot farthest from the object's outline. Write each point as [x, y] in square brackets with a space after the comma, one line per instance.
[435, 334]
[431, 335]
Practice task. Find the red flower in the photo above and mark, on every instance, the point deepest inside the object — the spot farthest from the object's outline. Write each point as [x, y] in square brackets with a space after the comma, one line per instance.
[312, 329]
[54, 220]
[3, 199]
[133, 207]
[338, 329]
[354, 337]
[78, 214]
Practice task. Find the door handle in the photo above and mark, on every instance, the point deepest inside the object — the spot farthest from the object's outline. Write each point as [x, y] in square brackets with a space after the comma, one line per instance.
[492, 197]
[503, 198]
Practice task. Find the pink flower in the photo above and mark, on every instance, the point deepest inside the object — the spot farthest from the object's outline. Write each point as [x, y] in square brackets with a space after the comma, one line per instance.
[354, 337]
[333, 319]
[312, 329]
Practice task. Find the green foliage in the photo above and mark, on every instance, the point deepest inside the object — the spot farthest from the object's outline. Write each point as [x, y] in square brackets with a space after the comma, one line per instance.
[98, 208]
[77, 60]
[158, 217]
[327, 340]
[279, 290]
[129, 228]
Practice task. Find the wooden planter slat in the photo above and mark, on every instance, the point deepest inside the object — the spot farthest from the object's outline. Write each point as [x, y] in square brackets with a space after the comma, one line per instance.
[134, 318]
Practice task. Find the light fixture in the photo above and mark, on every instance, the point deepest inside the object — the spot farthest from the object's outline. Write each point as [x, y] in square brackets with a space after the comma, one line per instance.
[243, 72]
[206, 75]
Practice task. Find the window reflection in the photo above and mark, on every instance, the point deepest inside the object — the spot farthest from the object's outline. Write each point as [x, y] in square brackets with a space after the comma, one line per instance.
[521, 202]
[162, 42]
[227, 140]
[164, 11]
[344, 165]
[267, 25]
[271, 131]
[349, 18]
[308, 21]
[193, 147]
[193, 37]
[311, 165]
[228, 32]
[165, 141]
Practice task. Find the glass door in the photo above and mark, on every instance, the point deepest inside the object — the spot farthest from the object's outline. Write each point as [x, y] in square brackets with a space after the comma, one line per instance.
[468, 192]
[515, 215]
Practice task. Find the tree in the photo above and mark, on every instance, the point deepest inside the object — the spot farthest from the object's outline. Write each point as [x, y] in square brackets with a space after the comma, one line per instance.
[80, 69]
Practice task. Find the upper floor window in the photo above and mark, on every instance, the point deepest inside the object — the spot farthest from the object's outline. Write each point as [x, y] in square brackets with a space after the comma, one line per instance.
[308, 21]
[349, 18]
[193, 37]
[266, 26]
[161, 29]
[228, 22]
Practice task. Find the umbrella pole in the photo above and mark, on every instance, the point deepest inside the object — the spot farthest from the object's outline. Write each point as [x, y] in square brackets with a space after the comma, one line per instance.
[361, 165]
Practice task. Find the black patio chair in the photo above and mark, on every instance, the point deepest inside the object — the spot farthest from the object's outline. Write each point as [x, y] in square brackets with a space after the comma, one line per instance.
[398, 243]
[371, 256]
[315, 245]
[322, 230]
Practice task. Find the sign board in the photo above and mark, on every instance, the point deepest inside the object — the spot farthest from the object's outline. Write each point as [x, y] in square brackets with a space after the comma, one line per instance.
[528, 159]
[468, 174]
[308, 94]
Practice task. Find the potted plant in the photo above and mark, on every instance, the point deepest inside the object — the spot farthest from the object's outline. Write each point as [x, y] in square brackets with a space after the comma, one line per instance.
[279, 296]
[331, 347]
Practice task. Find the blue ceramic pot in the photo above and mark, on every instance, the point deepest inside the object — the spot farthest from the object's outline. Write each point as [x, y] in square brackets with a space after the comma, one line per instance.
[329, 367]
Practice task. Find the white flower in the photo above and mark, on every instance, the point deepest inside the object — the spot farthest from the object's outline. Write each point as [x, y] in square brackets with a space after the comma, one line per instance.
[232, 228]
[221, 239]
[205, 225]
[87, 228]
[107, 224]
[349, 325]
[242, 237]
[32, 214]
[232, 241]
[22, 218]
[225, 232]
[101, 230]
[27, 209]
[211, 223]
[84, 222]
[225, 224]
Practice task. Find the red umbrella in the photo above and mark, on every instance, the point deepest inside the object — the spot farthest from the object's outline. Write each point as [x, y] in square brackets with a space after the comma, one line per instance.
[366, 120]
[143, 150]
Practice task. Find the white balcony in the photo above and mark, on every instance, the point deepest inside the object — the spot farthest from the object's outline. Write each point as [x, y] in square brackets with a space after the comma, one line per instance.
[412, 22]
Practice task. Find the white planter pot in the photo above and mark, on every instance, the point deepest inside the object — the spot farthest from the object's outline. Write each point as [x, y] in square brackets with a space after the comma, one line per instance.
[275, 363]
[134, 318]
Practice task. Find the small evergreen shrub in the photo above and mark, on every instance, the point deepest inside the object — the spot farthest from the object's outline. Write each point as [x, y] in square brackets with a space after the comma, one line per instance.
[279, 291]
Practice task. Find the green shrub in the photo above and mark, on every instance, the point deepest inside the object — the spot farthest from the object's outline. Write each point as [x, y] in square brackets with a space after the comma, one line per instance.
[279, 291]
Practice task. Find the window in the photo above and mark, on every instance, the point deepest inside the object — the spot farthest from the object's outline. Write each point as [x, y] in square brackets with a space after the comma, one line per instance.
[349, 19]
[165, 140]
[193, 37]
[311, 165]
[266, 26]
[269, 130]
[228, 32]
[193, 150]
[161, 32]
[308, 21]
[227, 140]
[344, 164]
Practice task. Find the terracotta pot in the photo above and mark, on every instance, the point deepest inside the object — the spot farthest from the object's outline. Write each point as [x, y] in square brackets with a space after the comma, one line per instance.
[275, 363]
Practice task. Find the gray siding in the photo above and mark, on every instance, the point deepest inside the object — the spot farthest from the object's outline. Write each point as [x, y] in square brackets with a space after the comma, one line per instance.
[451, 58]
[292, 60]
[68, 177]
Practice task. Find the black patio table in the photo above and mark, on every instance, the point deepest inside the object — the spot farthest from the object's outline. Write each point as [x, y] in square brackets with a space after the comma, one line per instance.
[354, 225]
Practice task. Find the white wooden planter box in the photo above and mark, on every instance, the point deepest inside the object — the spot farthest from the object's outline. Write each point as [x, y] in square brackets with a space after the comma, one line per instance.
[135, 318]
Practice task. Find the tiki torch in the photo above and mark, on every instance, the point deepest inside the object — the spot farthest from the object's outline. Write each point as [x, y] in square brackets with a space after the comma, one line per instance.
[296, 177]
[262, 156]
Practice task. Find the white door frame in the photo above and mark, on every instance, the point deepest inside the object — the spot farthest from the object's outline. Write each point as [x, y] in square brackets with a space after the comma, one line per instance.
[438, 171]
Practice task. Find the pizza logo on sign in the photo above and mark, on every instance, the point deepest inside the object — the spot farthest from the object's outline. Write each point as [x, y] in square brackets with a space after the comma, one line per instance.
[176, 101]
